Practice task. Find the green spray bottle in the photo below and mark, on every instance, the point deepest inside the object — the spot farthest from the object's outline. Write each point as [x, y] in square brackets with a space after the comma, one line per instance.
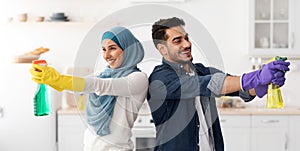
[274, 97]
[42, 104]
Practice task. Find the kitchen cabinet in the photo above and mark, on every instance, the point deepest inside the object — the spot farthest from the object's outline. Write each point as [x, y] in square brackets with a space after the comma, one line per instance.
[272, 28]
[70, 132]
[269, 133]
[248, 129]
[295, 133]
[261, 131]
[236, 132]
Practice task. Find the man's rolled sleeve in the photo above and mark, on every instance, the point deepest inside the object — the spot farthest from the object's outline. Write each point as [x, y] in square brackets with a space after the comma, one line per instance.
[216, 82]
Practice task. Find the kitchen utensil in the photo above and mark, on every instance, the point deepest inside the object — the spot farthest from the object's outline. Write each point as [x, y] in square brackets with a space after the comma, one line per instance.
[60, 16]
[22, 17]
[40, 19]
[264, 42]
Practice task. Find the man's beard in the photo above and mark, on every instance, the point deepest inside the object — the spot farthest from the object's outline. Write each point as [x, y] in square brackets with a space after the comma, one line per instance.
[186, 62]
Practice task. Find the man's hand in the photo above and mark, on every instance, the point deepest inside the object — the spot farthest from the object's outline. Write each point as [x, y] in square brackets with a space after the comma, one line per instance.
[273, 72]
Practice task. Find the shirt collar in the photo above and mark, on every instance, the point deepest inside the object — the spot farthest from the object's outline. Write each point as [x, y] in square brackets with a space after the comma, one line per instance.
[178, 67]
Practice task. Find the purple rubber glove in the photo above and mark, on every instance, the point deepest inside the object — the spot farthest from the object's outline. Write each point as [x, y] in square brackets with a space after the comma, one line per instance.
[265, 75]
[262, 90]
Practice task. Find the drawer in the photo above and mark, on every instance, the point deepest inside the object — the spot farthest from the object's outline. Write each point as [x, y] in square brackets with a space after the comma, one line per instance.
[235, 120]
[270, 121]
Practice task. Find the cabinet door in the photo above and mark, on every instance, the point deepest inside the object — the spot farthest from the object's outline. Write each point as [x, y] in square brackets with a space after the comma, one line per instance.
[294, 133]
[269, 133]
[271, 28]
[296, 33]
[70, 133]
[236, 132]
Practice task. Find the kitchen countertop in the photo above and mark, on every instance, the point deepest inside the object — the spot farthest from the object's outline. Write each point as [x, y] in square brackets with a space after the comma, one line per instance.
[259, 111]
[222, 111]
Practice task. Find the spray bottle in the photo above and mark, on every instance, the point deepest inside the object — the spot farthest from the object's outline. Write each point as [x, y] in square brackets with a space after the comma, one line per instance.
[42, 104]
[274, 97]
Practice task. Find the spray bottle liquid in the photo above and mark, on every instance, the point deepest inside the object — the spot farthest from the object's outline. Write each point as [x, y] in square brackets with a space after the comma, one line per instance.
[274, 97]
[42, 104]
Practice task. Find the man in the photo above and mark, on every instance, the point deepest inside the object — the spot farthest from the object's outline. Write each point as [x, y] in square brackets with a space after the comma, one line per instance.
[182, 94]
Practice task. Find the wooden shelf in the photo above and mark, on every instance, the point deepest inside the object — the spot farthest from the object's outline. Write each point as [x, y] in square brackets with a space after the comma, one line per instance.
[157, 1]
[47, 23]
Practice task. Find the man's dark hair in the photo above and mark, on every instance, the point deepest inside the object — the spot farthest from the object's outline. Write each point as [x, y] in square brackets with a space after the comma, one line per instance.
[159, 28]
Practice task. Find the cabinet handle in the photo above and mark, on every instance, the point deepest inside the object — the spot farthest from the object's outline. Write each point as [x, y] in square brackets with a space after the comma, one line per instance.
[270, 121]
[293, 40]
[222, 121]
[286, 141]
[1, 112]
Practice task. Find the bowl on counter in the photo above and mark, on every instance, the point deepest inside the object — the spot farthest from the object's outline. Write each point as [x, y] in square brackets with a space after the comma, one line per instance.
[39, 19]
[60, 16]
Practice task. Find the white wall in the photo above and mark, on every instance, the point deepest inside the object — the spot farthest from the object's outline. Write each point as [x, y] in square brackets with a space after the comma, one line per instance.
[227, 21]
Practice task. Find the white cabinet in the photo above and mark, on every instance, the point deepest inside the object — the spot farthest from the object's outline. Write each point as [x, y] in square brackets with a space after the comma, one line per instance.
[236, 132]
[295, 133]
[269, 133]
[260, 132]
[272, 28]
[71, 129]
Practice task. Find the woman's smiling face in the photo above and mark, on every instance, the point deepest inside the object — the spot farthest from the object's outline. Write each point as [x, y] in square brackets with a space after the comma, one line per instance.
[112, 53]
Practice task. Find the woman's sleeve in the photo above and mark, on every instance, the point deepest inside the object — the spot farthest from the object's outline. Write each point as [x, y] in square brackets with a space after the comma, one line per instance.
[133, 84]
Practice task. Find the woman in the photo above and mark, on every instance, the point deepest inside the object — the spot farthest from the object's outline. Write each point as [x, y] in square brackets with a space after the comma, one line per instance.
[116, 95]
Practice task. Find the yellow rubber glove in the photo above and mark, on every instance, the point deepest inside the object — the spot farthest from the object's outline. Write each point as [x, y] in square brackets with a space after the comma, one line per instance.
[48, 75]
